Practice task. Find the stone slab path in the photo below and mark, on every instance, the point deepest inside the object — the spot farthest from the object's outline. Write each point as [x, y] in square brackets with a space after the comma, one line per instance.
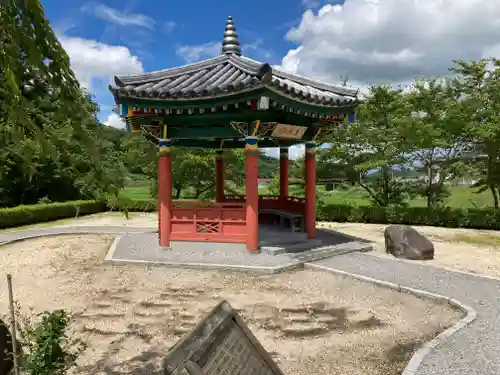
[18, 235]
[474, 350]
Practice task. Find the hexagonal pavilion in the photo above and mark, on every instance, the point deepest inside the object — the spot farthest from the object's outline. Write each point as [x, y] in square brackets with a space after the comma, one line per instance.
[231, 101]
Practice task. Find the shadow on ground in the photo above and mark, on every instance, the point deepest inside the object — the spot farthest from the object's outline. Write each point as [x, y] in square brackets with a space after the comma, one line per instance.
[333, 237]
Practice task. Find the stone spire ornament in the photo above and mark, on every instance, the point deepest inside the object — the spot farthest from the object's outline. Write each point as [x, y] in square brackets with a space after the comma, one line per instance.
[230, 43]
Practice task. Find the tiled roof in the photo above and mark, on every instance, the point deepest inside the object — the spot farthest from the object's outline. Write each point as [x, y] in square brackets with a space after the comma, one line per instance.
[225, 75]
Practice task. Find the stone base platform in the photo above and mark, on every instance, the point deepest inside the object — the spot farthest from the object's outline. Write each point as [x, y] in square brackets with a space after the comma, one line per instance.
[280, 251]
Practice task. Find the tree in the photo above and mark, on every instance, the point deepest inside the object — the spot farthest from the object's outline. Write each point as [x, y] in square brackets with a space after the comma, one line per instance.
[379, 141]
[273, 188]
[72, 160]
[438, 138]
[193, 170]
[50, 348]
[52, 146]
[26, 35]
[478, 82]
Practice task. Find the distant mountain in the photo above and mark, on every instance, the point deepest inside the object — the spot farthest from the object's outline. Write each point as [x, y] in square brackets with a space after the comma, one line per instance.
[406, 173]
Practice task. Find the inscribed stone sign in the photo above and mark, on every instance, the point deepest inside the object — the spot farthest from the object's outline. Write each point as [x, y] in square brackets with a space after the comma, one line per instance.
[285, 131]
[221, 344]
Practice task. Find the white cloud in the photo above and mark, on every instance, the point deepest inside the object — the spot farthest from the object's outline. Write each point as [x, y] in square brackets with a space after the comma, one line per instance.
[212, 49]
[294, 152]
[96, 63]
[115, 121]
[198, 52]
[169, 26]
[120, 18]
[256, 48]
[394, 41]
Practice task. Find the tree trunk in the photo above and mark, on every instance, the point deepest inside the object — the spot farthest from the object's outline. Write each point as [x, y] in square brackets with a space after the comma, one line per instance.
[178, 191]
[489, 176]
[372, 194]
[493, 191]
[386, 177]
[197, 192]
[200, 190]
[429, 185]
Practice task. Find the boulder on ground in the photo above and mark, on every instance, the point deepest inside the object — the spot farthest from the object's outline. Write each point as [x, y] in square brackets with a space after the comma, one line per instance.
[403, 241]
[6, 359]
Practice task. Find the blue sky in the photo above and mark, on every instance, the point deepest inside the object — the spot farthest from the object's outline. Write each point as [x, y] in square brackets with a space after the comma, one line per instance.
[373, 41]
[166, 33]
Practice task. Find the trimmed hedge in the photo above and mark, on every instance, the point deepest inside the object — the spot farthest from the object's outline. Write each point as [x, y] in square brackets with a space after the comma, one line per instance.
[138, 205]
[37, 213]
[444, 217]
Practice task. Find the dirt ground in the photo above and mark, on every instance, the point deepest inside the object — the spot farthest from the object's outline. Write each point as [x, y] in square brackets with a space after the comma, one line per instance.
[468, 250]
[312, 322]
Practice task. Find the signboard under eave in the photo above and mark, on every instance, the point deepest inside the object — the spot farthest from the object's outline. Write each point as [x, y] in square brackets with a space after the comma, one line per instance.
[286, 131]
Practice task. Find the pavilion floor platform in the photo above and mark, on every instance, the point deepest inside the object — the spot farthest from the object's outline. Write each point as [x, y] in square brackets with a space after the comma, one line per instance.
[280, 251]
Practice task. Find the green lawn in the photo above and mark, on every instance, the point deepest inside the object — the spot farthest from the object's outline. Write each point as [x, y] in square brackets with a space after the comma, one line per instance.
[465, 197]
[461, 197]
[137, 193]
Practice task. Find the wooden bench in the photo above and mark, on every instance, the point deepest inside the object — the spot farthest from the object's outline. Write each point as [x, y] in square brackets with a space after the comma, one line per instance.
[296, 221]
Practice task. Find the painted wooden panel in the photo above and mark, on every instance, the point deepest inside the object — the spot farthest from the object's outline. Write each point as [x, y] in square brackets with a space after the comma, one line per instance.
[207, 221]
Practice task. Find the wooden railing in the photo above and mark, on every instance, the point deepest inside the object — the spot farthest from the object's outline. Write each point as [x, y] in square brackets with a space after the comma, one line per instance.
[291, 204]
[208, 221]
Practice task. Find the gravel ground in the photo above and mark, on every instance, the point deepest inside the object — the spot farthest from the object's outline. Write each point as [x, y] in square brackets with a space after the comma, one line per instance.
[6, 237]
[475, 350]
[474, 251]
[467, 250]
[312, 322]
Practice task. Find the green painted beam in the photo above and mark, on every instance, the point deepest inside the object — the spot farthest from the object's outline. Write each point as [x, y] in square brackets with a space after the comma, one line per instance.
[225, 117]
[218, 101]
[193, 103]
[220, 117]
[200, 131]
[228, 144]
[217, 124]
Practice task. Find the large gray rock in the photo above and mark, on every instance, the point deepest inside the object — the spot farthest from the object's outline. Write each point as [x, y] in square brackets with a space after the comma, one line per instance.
[6, 360]
[403, 241]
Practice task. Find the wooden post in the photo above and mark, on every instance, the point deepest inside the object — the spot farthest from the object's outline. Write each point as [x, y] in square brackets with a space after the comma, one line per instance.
[310, 172]
[283, 172]
[13, 332]
[252, 193]
[219, 176]
[165, 191]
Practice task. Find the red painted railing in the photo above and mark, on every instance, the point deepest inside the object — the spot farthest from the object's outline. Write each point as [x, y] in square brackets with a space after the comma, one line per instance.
[273, 202]
[208, 221]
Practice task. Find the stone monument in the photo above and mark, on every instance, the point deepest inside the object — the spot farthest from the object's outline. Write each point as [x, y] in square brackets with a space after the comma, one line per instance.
[221, 344]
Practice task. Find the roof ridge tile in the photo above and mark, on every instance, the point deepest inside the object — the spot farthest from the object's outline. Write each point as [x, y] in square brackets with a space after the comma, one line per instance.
[167, 73]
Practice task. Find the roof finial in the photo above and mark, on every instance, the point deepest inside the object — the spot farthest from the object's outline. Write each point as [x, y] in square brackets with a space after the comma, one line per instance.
[230, 43]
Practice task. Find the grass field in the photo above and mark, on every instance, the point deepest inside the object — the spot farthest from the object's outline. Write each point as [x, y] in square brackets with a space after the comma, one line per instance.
[461, 196]
[137, 193]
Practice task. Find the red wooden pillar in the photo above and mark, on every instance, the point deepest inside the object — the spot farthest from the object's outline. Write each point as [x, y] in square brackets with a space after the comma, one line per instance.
[310, 172]
[165, 192]
[283, 172]
[252, 193]
[219, 176]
